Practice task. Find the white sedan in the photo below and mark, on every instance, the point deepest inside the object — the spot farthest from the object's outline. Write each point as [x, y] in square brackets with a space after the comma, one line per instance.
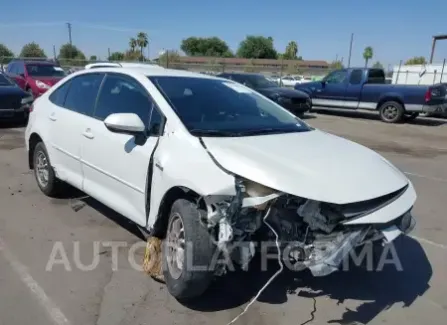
[288, 81]
[208, 165]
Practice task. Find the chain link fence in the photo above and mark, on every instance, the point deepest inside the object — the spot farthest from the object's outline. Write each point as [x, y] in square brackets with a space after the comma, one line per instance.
[425, 74]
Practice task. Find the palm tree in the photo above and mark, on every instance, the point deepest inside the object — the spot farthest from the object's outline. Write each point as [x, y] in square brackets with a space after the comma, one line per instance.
[292, 50]
[142, 41]
[368, 54]
[132, 44]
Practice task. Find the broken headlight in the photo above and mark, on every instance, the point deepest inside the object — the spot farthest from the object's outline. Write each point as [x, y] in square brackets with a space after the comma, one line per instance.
[254, 189]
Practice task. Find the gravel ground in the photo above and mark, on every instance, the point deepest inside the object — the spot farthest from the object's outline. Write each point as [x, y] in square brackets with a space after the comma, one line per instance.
[33, 226]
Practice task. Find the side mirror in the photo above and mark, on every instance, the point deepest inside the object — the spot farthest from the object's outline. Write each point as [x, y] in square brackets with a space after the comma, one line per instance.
[128, 123]
[22, 75]
[323, 83]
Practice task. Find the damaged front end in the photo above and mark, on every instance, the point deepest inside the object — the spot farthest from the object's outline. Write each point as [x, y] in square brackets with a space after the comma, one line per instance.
[311, 234]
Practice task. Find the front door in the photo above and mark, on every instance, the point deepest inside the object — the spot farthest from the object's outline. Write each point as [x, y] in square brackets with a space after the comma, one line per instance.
[115, 165]
[333, 90]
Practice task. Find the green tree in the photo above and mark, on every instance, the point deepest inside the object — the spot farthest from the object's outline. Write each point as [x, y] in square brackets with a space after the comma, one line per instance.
[291, 51]
[257, 47]
[69, 51]
[116, 56]
[378, 65]
[32, 50]
[368, 53]
[336, 65]
[133, 44]
[93, 58]
[6, 54]
[132, 55]
[143, 42]
[416, 61]
[205, 46]
[168, 58]
[70, 55]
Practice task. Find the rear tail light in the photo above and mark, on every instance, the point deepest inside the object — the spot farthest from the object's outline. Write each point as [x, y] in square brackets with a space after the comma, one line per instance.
[428, 95]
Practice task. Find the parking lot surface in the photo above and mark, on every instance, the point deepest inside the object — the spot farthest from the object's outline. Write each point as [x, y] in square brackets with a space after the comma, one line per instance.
[91, 283]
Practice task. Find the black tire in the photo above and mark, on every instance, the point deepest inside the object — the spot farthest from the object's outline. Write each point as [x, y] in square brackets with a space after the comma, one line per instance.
[412, 116]
[54, 186]
[191, 283]
[391, 112]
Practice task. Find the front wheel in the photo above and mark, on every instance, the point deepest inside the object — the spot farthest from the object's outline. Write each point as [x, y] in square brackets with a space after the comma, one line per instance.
[391, 112]
[188, 251]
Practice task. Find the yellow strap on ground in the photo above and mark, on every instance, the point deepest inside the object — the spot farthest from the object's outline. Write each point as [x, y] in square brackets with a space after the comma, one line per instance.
[152, 259]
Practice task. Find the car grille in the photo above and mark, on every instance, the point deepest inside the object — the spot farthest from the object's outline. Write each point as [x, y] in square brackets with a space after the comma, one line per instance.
[10, 101]
[360, 209]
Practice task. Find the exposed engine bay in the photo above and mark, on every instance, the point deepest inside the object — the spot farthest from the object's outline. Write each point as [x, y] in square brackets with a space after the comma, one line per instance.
[311, 233]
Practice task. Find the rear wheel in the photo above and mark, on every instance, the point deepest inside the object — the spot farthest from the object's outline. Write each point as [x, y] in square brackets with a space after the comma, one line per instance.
[188, 251]
[391, 112]
[44, 173]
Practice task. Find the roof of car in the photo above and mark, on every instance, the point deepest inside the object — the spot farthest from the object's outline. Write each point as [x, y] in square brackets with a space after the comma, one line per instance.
[35, 61]
[148, 71]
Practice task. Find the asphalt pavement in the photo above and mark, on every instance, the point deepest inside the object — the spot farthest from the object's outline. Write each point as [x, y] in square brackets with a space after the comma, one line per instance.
[57, 265]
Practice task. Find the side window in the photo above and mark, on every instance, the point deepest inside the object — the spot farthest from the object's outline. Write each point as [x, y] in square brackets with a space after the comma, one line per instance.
[336, 77]
[20, 69]
[58, 96]
[121, 94]
[11, 68]
[82, 94]
[356, 77]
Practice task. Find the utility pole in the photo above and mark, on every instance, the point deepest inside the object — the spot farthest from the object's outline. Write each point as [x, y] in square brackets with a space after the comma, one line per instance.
[69, 33]
[54, 52]
[350, 50]
[108, 58]
[336, 57]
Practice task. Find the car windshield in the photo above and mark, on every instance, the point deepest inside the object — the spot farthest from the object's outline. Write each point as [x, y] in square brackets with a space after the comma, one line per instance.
[261, 82]
[212, 107]
[44, 70]
[5, 81]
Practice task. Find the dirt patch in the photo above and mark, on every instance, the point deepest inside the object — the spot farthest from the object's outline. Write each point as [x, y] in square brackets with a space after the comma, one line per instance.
[8, 143]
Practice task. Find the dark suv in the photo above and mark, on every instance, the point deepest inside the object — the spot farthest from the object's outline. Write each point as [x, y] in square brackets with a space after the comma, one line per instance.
[34, 76]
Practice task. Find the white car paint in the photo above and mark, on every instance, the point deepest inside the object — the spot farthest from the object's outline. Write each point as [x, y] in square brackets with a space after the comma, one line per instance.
[114, 167]
[121, 65]
[270, 160]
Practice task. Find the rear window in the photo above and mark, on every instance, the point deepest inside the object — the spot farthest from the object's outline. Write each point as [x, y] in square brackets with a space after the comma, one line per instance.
[376, 76]
[44, 70]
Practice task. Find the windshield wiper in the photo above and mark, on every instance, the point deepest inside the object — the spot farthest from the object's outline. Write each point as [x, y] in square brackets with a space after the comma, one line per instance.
[212, 133]
[267, 131]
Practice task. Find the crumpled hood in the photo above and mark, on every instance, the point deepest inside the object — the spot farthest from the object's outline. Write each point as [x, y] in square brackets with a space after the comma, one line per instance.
[314, 165]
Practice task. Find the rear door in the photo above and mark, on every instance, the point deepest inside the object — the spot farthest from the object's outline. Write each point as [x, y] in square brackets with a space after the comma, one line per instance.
[354, 89]
[71, 109]
[333, 90]
[115, 165]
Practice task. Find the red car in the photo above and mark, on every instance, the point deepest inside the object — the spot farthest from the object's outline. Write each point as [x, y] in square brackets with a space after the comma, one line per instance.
[35, 77]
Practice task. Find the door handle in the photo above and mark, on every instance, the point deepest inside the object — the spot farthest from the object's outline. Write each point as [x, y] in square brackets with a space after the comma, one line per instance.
[52, 117]
[88, 134]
